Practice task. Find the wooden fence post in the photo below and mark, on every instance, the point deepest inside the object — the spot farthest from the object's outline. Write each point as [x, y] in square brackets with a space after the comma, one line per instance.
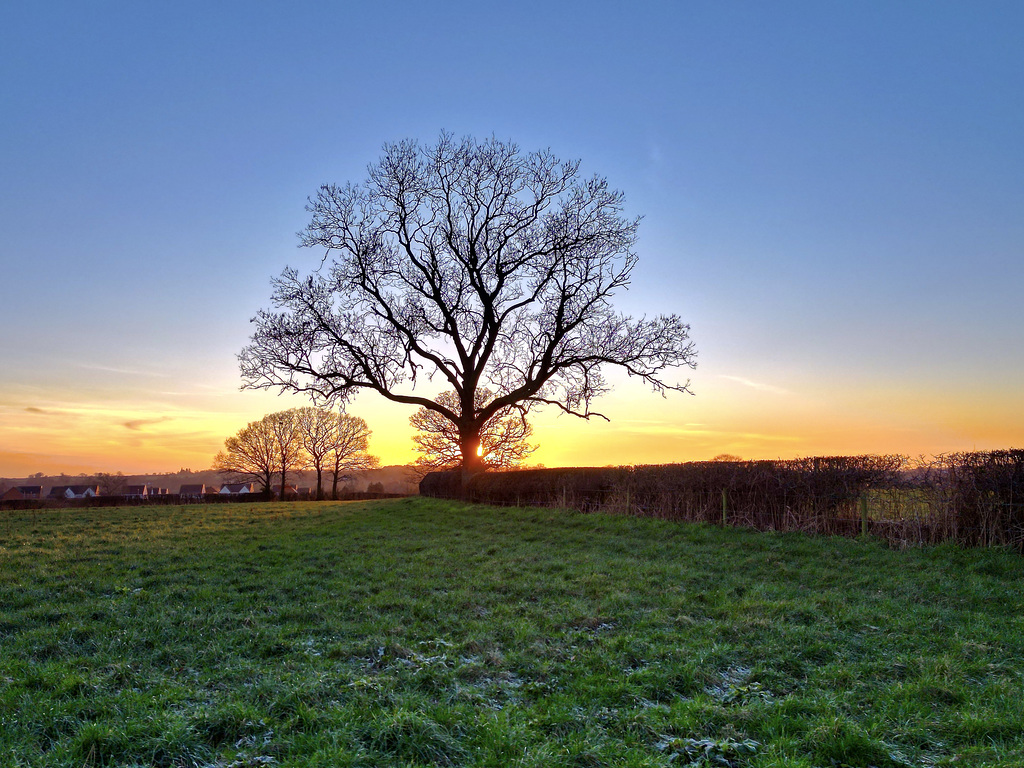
[725, 507]
[863, 514]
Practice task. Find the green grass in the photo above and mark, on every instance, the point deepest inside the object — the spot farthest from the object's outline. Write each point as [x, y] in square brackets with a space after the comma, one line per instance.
[416, 632]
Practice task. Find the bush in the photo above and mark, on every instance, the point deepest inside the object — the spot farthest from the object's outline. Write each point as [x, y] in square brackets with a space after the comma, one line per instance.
[972, 498]
[984, 491]
[442, 485]
[584, 488]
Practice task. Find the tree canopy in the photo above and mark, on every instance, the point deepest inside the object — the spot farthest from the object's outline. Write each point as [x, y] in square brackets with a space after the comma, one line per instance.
[471, 261]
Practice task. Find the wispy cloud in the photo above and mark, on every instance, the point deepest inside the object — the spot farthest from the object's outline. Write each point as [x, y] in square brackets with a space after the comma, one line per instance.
[199, 391]
[123, 371]
[657, 422]
[138, 424]
[63, 412]
[758, 385]
[703, 430]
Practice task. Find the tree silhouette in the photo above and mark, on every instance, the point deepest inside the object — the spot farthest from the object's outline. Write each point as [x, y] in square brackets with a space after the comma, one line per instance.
[284, 425]
[111, 484]
[471, 261]
[349, 451]
[250, 455]
[318, 429]
[295, 439]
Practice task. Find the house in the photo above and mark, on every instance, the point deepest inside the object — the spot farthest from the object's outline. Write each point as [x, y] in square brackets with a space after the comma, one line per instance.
[73, 492]
[196, 491]
[290, 492]
[31, 491]
[237, 489]
[13, 494]
[136, 492]
[154, 491]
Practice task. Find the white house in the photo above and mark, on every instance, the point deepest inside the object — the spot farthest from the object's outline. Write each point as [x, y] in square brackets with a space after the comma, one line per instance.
[237, 489]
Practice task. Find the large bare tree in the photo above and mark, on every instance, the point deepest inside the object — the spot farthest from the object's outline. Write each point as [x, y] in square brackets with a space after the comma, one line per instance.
[475, 262]
[503, 437]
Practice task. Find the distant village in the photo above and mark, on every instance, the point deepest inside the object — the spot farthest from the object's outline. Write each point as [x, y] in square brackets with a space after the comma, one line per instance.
[187, 486]
[191, 491]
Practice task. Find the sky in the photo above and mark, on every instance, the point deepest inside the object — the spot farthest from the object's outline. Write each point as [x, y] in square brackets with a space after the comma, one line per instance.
[832, 197]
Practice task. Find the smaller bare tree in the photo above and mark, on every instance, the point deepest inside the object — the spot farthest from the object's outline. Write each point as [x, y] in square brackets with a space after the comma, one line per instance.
[111, 484]
[349, 453]
[250, 455]
[318, 431]
[284, 425]
[503, 437]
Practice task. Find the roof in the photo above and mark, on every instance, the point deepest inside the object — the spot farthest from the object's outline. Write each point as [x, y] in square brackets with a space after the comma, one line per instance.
[192, 489]
[76, 490]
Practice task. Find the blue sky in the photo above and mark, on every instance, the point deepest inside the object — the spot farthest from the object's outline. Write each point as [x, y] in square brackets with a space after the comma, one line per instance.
[833, 197]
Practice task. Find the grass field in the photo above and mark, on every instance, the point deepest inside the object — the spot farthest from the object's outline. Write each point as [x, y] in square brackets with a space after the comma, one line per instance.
[415, 632]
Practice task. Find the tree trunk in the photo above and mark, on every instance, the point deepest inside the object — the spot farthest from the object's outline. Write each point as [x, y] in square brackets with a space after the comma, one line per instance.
[472, 461]
[319, 482]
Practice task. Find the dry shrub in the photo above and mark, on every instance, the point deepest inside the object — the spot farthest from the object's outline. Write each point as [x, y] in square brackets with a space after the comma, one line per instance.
[804, 494]
[446, 484]
[583, 488]
[972, 498]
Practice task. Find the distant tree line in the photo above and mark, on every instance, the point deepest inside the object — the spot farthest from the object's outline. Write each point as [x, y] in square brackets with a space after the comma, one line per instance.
[297, 439]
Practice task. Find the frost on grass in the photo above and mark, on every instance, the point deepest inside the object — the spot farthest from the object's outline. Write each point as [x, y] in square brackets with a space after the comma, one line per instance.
[736, 687]
[707, 752]
[436, 667]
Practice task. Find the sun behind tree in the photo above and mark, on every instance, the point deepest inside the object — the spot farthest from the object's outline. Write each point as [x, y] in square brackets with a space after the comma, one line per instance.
[503, 437]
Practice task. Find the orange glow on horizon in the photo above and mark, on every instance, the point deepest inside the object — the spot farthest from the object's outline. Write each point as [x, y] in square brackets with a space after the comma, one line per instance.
[64, 435]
